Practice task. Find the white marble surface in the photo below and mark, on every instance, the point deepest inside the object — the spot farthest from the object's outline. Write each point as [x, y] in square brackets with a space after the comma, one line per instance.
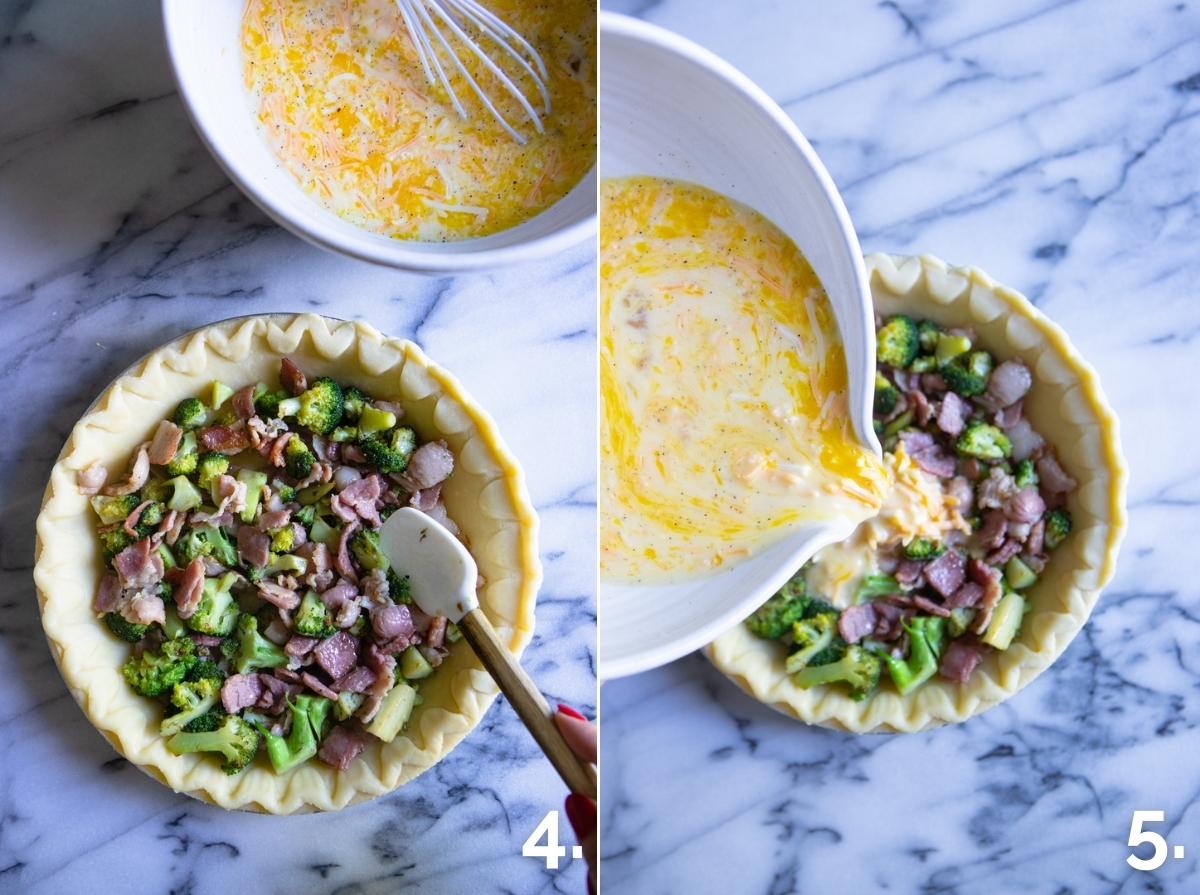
[118, 232]
[1057, 146]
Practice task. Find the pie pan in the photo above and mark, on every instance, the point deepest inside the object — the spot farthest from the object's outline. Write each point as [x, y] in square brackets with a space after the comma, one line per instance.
[486, 496]
[1067, 406]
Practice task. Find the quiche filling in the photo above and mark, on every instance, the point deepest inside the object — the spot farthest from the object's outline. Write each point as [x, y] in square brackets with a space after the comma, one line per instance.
[725, 417]
[976, 504]
[244, 567]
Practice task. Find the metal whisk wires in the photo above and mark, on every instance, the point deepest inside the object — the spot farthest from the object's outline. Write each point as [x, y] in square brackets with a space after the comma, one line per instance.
[443, 23]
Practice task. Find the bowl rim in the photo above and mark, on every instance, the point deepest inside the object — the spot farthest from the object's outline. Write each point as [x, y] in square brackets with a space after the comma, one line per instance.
[664, 40]
[398, 254]
[944, 285]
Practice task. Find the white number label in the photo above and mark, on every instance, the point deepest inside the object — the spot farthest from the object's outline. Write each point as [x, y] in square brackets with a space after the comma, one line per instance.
[1137, 836]
[551, 851]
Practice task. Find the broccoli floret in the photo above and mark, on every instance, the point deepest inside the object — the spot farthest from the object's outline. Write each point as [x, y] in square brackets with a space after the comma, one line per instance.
[390, 453]
[857, 668]
[156, 671]
[775, 617]
[1025, 475]
[124, 628]
[399, 587]
[984, 441]
[184, 495]
[319, 409]
[342, 434]
[949, 346]
[876, 585]
[114, 509]
[254, 481]
[236, 739]
[209, 466]
[206, 669]
[927, 335]
[353, 402]
[1058, 526]
[113, 542]
[309, 714]
[968, 374]
[149, 520]
[210, 720]
[192, 699]
[312, 618]
[960, 619]
[364, 546]
[925, 637]
[190, 413]
[217, 611]
[282, 539]
[815, 641]
[204, 540]
[897, 342]
[886, 396]
[267, 405]
[923, 549]
[374, 420]
[254, 650]
[298, 458]
[305, 516]
[185, 459]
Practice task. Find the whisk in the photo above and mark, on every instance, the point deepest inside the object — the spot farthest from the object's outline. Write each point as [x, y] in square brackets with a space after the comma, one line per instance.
[445, 21]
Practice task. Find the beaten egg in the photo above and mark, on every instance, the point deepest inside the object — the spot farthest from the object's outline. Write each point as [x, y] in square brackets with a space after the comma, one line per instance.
[723, 387]
[345, 106]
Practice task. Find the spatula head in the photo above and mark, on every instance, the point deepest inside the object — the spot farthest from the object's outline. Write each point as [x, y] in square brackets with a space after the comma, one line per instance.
[441, 571]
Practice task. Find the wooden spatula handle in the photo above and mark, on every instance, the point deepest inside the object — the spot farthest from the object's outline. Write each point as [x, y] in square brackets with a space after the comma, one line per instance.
[529, 703]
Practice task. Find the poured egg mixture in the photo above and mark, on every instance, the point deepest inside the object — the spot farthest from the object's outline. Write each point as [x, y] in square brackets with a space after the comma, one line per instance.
[723, 385]
[346, 108]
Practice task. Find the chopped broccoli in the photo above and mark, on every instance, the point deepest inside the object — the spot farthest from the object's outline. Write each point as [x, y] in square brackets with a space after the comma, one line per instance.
[206, 669]
[205, 540]
[1025, 476]
[390, 454]
[113, 542]
[1018, 575]
[815, 641]
[394, 712]
[255, 481]
[114, 509]
[923, 549]
[950, 346]
[312, 618]
[266, 405]
[413, 665]
[305, 516]
[353, 402]
[298, 458]
[984, 441]
[968, 374]
[312, 494]
[897, 342]
[192, 699]
[236, 739]
[399, 587]
[156, 671]
[375, 420]
[960, 619]
[898, 425]
[886, 396]
[282, 539]
[925, 636]
[149, 520]
[923, 364]
[219, 393]
[1006, 621]
[857, 667]
[287, 563]
[927, 335]
[209, 466]
[342, 434]
[190, 413]
[1058, 526]
[319, 409]
[309, 714]
[254, 650]
[217, 611]
[124, 628]
[347, 704]
[184, 495]
[876, 585]
[364, 546]
[185, 459]
[775, 617]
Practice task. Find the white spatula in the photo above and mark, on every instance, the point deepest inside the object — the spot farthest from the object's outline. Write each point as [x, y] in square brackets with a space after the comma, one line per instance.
[443, 576]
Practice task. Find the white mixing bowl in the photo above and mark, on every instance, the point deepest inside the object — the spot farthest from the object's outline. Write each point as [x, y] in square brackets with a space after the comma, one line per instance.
[205, 49]
[670, 108]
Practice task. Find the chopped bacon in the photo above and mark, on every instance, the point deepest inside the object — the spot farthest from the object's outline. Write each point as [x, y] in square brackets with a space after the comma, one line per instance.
[430, 464]
[1009, 383]
[961, 658]
[165, 443]
[144, 609]
[966, 596]
[946, 573]
[953, 414]
[1052, 477]
[922, 409]
[342, 745]
[190, 587]
[275, 454]
[131, 520]
[243, 402]
[226, 439]
[277, 595]
[856, 622]
[361, 498]
[138, 566]
[137, 476]
[91, 479]
[316, 685]
[292, 377]
[358, 680]
[391, 621]
[342, 560]
[1025, 506]
[273, 519]
[337, 654]
[240, 691]
[253, 546]
[107, 594]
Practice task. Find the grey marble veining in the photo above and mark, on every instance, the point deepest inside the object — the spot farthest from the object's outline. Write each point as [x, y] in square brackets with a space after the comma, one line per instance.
[117, 233]
[1056, 145]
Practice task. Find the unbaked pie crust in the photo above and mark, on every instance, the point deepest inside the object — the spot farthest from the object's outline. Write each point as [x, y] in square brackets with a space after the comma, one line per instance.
[1067, 406]
[486, 496]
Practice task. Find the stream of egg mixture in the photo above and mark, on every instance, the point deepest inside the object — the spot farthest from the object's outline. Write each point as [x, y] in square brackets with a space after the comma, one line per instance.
[723, 386]
[345, 106]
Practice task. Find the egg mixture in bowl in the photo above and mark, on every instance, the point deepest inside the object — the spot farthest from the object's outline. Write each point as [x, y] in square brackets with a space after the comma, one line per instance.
[344, 104]
[723, 381]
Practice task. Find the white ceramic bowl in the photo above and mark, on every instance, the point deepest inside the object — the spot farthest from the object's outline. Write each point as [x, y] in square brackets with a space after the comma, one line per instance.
[205, 51]
[705, 122]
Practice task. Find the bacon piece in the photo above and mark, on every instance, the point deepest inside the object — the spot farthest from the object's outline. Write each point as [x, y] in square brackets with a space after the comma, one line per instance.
[138, 566]
[358, 680]
[292, 377]
[243, 402]
[361, 497]
[430, 464]
[436, 634]
[342, 560]
[226, 439]
[946, 573]
[337, 654]
[961, 658]
[277, 595]
[190, 588]
[1052, 477]
[144, 609]
[137, 476]
[91, 479]
[953, 414]
[107, 594]
[392, 621]
[316, 685]
[165, 443]
[342, 745]
[131, 520]
[253, 546]
[240, 691]
[1009, 383]
[966, 596]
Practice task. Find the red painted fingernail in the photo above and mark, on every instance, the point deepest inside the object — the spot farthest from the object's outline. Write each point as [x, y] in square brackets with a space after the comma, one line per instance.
[570, 712]
[581, 812]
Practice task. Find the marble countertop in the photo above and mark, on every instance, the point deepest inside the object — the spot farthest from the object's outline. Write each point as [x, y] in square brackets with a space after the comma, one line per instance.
[118, 232]
[1055, 145]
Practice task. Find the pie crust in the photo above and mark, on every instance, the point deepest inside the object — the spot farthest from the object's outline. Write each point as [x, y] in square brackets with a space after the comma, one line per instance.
[486, 496]
[1067, 406]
